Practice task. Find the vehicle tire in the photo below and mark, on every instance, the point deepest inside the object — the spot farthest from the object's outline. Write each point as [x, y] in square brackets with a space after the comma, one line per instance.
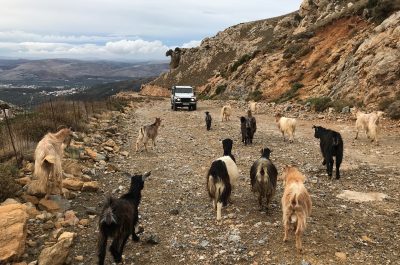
[190, 108]
[175, 107]
[172, 106]
[194, 107]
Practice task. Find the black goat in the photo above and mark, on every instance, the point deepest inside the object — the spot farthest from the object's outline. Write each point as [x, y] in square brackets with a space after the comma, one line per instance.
[227, 145]
[245, 129]
[208, 120]
[119, 218]
[331, 145]
[253, 125]
[263, 176]
[222, 178]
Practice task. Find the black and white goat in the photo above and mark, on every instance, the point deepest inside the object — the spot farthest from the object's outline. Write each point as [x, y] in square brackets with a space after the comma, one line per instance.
[331, 145]
[263, 176]
[119, 219]
[208, 120]
[222, 178]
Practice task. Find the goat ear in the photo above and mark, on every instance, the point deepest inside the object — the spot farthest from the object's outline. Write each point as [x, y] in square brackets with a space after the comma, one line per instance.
[146, 175]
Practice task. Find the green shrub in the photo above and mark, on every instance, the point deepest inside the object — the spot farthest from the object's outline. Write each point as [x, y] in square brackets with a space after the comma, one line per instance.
[256, 95]
[244, 59]
[393, 110]
[320, 104]
[9, 187]
[291, 93]
[339, 104]
[220, 89]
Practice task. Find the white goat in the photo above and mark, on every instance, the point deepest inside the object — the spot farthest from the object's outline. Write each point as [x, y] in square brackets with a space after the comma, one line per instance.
[368, 123]
[286, 126]
[226, 112]
[253, 107]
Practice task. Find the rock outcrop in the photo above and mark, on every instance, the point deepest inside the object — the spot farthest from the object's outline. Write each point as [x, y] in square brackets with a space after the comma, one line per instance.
[13, 231]
[347, 50]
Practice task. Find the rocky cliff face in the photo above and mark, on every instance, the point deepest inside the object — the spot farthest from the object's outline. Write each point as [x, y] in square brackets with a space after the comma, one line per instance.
[340, 49]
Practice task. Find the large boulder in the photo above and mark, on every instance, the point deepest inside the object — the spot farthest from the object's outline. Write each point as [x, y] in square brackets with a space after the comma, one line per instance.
[58, 253]
[12, 231]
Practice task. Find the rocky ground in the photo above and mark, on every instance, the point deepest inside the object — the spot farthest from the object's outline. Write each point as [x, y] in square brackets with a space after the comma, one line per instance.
[177, 216]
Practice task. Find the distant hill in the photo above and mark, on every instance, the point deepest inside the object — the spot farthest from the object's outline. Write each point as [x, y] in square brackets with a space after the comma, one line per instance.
[103, 91]
[68, 69]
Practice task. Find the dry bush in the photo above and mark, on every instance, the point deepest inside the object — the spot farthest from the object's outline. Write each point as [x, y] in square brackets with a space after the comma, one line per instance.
[9, 187]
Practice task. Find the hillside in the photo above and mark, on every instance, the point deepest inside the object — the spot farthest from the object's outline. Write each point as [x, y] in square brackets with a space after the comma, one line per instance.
[62, 69]
[346, 50]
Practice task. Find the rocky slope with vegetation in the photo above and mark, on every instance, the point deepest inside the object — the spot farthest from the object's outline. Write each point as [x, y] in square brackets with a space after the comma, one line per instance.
[345, 50]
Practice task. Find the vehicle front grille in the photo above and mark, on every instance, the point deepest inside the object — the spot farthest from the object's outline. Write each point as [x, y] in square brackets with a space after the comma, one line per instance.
[185, 99]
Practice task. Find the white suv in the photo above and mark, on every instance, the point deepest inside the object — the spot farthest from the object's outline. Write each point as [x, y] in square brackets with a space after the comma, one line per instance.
[183, 96]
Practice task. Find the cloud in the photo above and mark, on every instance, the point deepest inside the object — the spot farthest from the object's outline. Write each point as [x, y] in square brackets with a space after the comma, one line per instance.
[127, 49]
[191, 44]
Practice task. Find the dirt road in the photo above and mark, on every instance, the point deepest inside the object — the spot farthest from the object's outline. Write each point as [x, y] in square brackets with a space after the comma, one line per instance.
[176, 210]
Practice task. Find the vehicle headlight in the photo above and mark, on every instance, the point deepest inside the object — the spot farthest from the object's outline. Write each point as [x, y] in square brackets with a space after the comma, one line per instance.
[178, 99]
[193, 99]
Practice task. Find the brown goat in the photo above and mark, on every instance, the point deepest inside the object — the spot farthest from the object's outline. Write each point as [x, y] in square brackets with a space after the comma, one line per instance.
[296, 203]
[148, 132]
[48, 155]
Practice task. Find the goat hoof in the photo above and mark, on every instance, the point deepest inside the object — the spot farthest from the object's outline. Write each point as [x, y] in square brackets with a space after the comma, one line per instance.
[136, 239]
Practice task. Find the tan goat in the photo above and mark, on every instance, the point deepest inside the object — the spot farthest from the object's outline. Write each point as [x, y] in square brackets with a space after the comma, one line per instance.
[368, 123]
[296, 203]
[48, 156]
[226, 112]
[148, 132]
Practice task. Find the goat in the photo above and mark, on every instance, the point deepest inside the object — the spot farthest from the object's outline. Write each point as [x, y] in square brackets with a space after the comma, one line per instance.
[148, 132]
[227, 146]
[226, 112]
[221, 179]
[286, 126]
[253, 125]
[296, 203]
[253, 107]
[368, 123]
[208, 120]
[263, 175]
[245, 129]
[119, 219]
[331, 144]
[48, 169]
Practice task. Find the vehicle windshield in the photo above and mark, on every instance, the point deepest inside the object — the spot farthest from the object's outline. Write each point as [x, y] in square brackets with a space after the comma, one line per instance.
[183, 90]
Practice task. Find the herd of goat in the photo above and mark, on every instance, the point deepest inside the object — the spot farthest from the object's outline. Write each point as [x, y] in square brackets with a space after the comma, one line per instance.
[119, 217]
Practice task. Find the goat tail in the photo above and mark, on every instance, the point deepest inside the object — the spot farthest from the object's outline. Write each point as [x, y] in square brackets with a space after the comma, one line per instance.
[108, 216]
[49, 159]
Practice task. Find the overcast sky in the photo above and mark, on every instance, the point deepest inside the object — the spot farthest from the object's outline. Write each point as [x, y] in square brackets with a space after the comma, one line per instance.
[121, 29]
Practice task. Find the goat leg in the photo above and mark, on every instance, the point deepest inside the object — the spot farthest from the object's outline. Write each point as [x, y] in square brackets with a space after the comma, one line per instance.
[114, 249]
[102, 249]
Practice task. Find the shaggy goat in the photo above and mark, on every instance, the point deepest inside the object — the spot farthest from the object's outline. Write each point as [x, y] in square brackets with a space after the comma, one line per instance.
[48, 169]
[148, 132]
[208, 120]
[331, 145]
[296, 204]
[368, 123]
[253, 107]
[221, 178]
[286, 126]
[119, 219]
[263, 175]
[226, 112]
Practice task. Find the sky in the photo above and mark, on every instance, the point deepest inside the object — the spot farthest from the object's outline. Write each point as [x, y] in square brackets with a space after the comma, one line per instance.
[123, 30]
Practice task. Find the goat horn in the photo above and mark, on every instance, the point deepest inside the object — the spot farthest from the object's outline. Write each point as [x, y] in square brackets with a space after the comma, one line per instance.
[146, 175]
